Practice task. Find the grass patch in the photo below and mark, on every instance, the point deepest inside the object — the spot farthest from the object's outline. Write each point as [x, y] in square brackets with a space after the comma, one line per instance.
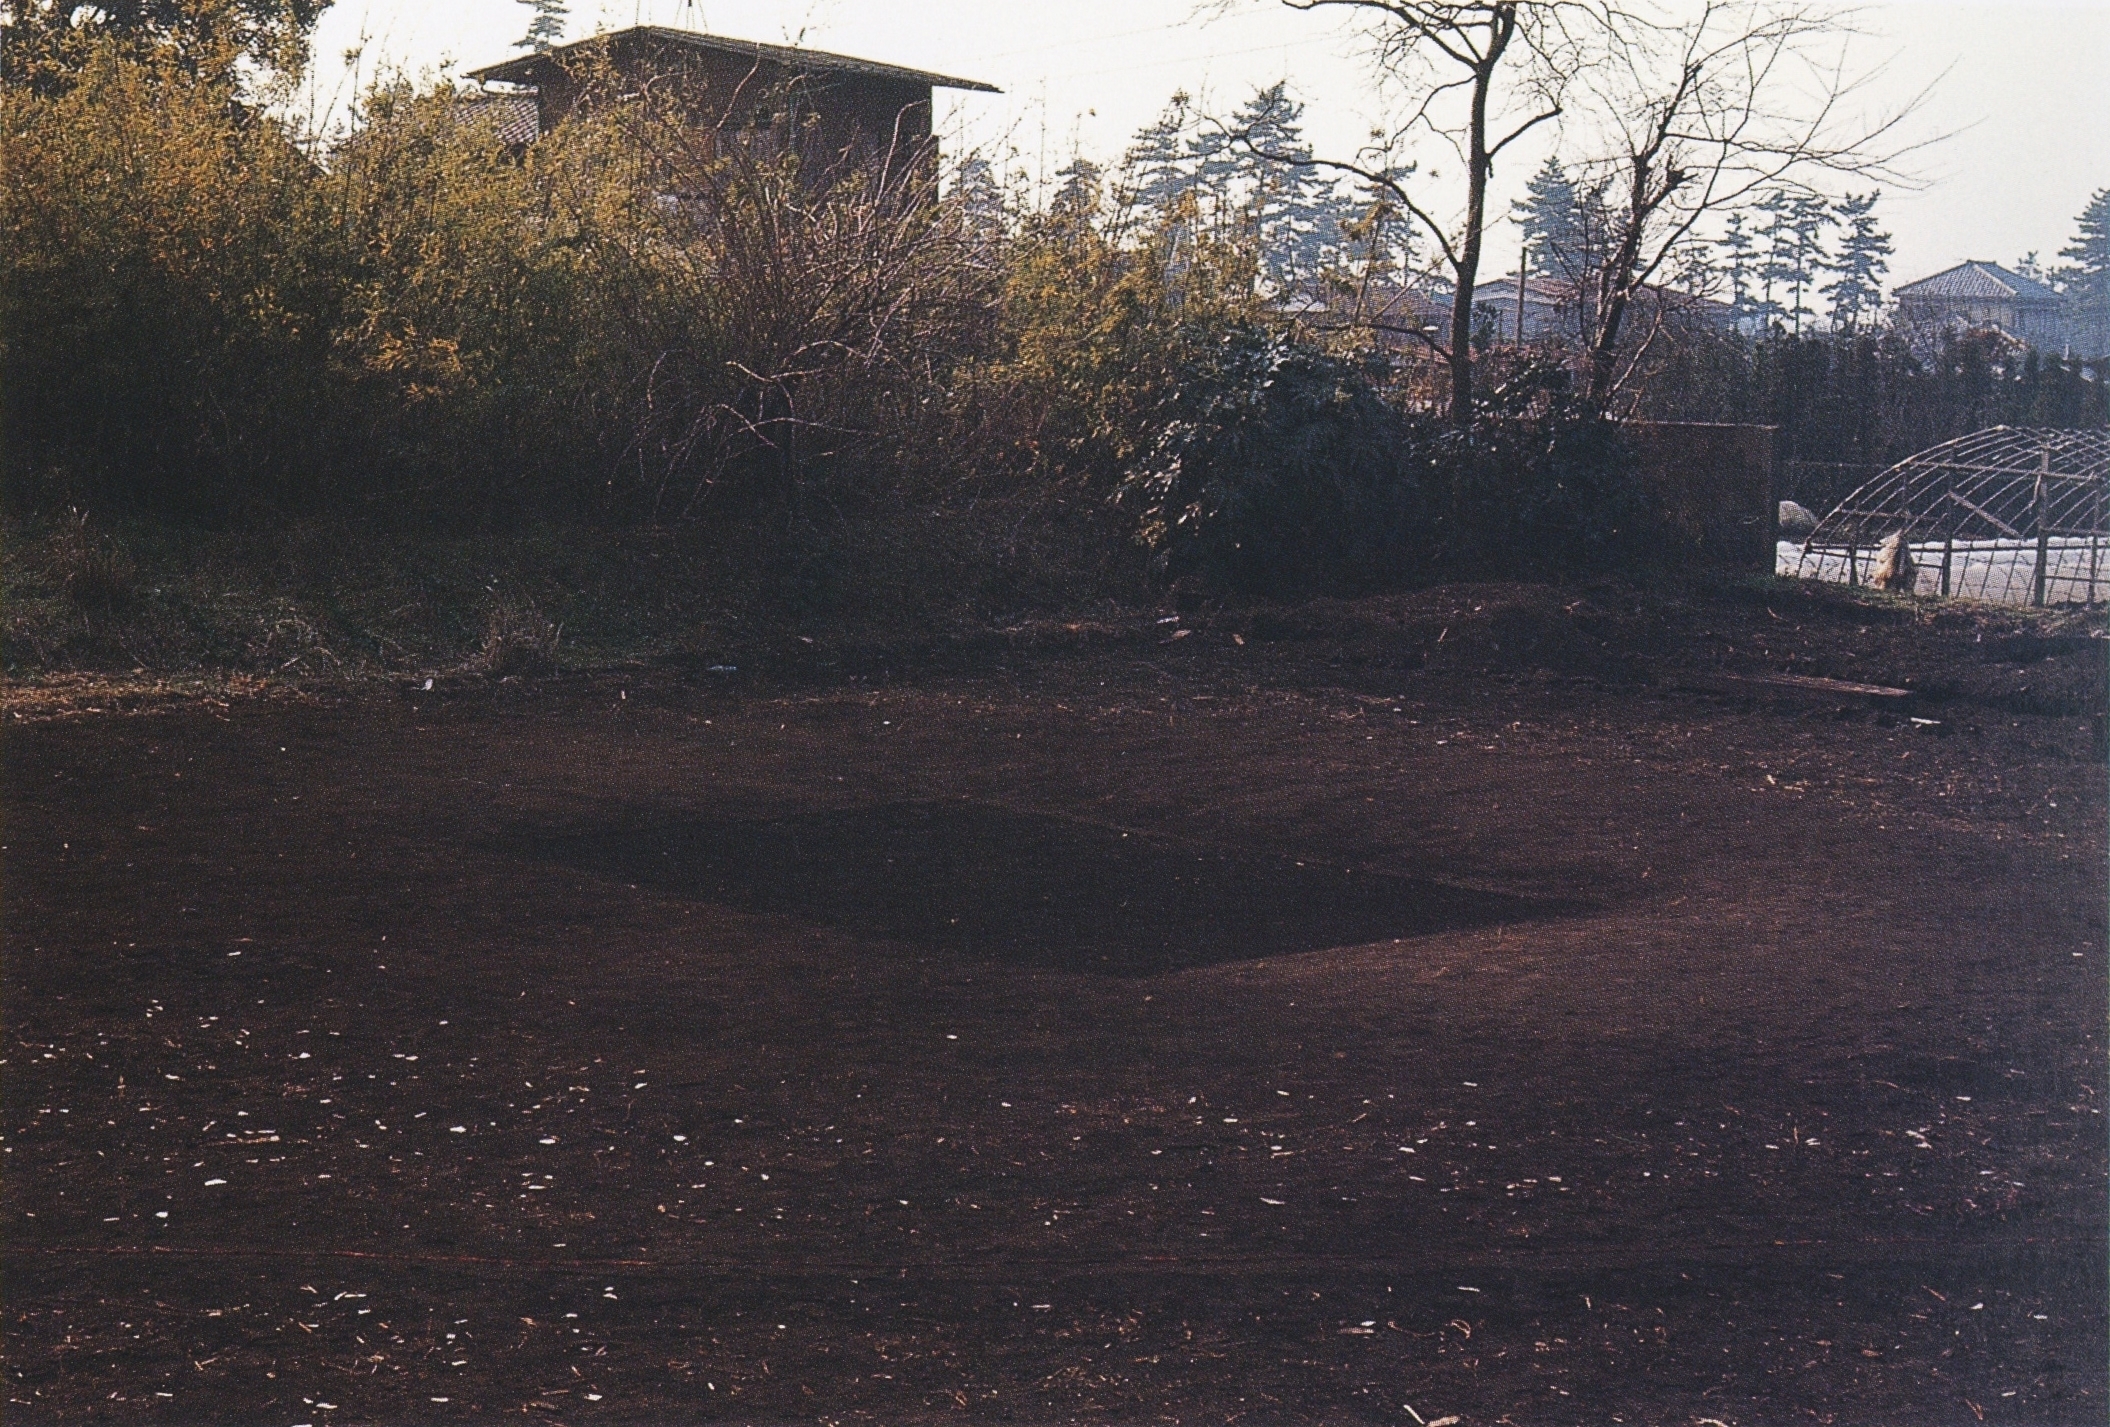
[332, 601]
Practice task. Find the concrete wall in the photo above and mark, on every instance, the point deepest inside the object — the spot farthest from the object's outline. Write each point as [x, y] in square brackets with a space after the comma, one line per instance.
[1714, 483]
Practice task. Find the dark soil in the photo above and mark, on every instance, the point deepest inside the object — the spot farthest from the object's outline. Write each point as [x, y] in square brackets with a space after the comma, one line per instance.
[1466, 1006]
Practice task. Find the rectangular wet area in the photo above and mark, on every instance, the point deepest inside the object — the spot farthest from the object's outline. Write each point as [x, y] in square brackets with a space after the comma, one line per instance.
[1022, 888]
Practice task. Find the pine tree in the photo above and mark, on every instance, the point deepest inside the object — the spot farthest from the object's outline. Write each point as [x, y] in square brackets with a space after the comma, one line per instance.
[1864, 251]
[980, 200]
[1808, 217]
[1549, 216]
[1158, 170]
[1776, 270]
[546, 30]
[1077, 196]
[1741, 248]
[1294, 216]
[1567, 231]
[2086, 282]
[1377, 235]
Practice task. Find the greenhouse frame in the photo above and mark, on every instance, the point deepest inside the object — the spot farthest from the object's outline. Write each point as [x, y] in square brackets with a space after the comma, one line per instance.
[2008, 514]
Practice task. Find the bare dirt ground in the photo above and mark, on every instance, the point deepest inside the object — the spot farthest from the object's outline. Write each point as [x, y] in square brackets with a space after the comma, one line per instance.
[1464, 1007]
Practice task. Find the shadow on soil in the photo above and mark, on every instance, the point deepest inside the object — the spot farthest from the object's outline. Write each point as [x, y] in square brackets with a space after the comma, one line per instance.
[1022, 889]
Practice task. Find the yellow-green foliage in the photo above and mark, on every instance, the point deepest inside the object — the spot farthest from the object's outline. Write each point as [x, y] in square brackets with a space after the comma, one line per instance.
[169, 279]
[1095, 333]
[203, 312]
[200, 313]
[485, 293]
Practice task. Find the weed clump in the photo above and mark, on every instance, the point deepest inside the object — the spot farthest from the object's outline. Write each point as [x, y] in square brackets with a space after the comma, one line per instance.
[519, 642]
[94, 572]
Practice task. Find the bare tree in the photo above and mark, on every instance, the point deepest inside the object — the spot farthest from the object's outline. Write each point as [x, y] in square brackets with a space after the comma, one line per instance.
[1476, 76]
[1698, 116]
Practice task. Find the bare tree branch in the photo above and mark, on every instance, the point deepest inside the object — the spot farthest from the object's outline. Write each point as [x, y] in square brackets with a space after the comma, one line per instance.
[1476, 75]
[1703, 114]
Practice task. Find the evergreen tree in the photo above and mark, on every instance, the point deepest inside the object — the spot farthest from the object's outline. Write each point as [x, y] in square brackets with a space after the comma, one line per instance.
[1856, 290]
[980, 200]
[1550, 216]
[39, 39]
[1567, 235]
[1807, 216]
[1776, 269]
[1741, 248]
[2086, 282]
[1295, 217]
[1377, 235]
[1158, 170]
[1077, 194]
[546, 29]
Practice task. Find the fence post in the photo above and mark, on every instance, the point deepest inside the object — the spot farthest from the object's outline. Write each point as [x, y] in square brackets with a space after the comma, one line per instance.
[2043, 534]
[2095, 536]
[1948, 541]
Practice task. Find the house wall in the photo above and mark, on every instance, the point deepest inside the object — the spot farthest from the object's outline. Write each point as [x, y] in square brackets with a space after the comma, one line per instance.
[831, 115]
[2040, 324]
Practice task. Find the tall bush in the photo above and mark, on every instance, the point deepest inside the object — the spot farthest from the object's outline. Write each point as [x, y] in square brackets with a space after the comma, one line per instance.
[1279, 470]
[169, 287]
[638, 319]
[808, 320]
[1096, 335]
[489, 299]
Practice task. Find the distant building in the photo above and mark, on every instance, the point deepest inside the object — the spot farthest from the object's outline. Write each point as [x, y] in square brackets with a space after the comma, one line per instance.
[769, 98]
[1382, 312]
[1985, 297]
[516, 119]
[1558, 310]
[1555, 311]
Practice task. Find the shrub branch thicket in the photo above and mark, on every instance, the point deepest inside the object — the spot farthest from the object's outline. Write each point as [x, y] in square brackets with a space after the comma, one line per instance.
[810, 317]
[1281, 471]
[637, 320]
[169, 293]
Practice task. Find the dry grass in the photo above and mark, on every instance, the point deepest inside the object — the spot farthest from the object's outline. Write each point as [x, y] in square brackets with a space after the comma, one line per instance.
[327, 602]
[95, 573]
[519, 641]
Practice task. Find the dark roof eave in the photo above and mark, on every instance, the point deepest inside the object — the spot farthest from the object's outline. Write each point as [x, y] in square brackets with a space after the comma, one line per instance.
[518, 69]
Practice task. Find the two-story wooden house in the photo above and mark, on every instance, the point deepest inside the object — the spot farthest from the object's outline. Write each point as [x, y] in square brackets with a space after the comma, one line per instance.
[832, 109]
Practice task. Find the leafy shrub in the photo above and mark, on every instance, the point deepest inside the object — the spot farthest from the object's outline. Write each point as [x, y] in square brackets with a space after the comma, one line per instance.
[166, 289]
[1281, 471]
[489, 305]
[204, 313]
[1095, 335]
[1540, 485]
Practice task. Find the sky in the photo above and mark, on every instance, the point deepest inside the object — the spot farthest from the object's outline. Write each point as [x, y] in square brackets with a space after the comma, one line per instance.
[2012, 115]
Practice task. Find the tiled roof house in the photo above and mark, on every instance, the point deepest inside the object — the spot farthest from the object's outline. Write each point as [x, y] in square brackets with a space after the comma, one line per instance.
[1985, 296]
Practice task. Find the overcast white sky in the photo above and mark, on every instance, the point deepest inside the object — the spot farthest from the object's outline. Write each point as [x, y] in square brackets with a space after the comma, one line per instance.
[2020, 86]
